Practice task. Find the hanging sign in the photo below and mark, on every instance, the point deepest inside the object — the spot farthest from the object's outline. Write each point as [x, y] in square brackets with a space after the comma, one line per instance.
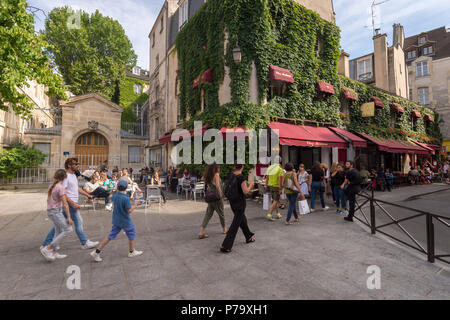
[368, 109]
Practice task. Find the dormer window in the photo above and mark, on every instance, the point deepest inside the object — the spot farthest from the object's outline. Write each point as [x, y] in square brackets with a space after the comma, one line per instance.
[427, 50]
[412, 54]
[137, 71]
[422, 40]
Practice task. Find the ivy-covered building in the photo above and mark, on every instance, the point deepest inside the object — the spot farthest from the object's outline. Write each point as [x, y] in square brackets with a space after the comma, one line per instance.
[274, 64]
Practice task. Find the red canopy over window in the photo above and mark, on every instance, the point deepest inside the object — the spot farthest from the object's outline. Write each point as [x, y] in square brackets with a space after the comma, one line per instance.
[357, 141]
[325, 87]
[398, 107]
[166, 138]
[429, 118]
[378, 102]
[207, 76]
[307, 136]
[416, 114]
[280, 74]
[348, 94]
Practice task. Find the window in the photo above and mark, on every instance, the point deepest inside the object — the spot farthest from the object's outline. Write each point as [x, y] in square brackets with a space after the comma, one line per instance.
[134, 154]
[137, 71]
[153, 40]
[427, 51]
[136, 109]
[411, 94]
[394, 118]
[178, 110]
[137, 88]
[365, 69]
[156, 129]
[422, 40]
[184, 13]
[412, 54]
[162, 25]
[45, 148]
[318, 47]
[422, 69]
[424, 96]
[414, 123]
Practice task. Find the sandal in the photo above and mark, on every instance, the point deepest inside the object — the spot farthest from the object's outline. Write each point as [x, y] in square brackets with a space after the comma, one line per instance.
[252, 239]
[224, 232]
[297, 220]
[203, 236]
[288, 223]
[223, 250]
[282, 206]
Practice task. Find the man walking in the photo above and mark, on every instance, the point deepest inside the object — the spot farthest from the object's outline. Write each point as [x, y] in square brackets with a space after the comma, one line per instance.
[353, 182]
[275, 183]
[72, 193]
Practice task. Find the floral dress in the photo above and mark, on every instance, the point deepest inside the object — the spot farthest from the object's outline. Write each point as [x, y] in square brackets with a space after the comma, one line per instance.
[303, 182]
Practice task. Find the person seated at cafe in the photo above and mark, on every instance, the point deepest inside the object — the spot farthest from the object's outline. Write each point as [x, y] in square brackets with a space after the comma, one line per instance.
[95, 189]
[381, 179]
[389, 179]
[365, 174]
[105, 182]
[143, 178]
[413, 176]
[373, 179]
[428, 175]
[133, 184]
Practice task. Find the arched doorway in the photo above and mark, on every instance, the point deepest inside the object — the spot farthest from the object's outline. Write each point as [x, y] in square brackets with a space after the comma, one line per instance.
[92, 150]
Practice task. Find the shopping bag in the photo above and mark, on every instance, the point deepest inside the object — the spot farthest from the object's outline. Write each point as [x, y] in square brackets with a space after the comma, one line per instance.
[283, 196]
[266, 201]
[303, 207]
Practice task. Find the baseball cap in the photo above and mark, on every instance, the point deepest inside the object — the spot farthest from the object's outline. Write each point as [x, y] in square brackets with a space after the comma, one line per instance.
[122, 184]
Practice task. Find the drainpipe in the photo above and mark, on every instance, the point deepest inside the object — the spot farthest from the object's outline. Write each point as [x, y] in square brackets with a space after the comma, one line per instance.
[166, 20]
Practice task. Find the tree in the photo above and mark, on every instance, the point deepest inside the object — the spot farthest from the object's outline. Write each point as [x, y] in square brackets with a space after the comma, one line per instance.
[116, 96]
[90, 52]
[22, 59]
[17, 157]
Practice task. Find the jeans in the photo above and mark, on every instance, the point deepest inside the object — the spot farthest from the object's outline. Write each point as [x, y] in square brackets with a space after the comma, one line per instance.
[292, 198]
[77, 222]
[62, 228]
[341, 199]
[315, 187]
[101, 193]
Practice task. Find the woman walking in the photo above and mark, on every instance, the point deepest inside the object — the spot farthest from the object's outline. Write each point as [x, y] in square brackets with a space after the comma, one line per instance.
[292, 190]
[56, 201]
[317, 185]
[213, 185]
[235, 191]
[303, 179]
[341, 200]
[333, 172]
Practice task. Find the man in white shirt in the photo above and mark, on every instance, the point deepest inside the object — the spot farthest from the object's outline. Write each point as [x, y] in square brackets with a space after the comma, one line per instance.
[72, 193]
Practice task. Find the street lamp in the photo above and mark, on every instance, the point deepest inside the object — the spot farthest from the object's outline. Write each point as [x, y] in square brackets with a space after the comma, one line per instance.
[237, 54]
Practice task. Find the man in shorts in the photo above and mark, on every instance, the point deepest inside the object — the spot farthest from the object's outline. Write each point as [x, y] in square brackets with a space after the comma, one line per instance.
[275, 183]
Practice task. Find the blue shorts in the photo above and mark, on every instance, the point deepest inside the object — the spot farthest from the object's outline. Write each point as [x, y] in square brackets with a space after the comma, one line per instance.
[130, 231]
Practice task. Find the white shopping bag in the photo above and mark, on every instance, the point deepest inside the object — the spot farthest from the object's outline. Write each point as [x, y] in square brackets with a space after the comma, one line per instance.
[303, 207]
[283, 196]
[266, 201]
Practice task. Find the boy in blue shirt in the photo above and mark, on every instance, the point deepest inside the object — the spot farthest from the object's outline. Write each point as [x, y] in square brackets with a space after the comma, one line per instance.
[120, 220]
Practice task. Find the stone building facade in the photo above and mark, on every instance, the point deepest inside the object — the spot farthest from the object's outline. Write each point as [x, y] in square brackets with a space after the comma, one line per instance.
[428, 59]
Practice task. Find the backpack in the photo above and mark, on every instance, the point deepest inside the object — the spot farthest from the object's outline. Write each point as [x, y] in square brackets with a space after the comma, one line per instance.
[231, 189]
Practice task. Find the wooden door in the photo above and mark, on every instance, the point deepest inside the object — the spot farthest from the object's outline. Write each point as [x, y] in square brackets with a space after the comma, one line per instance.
[91, 149]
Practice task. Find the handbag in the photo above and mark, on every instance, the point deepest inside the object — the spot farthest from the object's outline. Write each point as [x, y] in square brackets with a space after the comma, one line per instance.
[266, 201]
[211, 195]
[303, 207]
[322, 187]
[290, 185]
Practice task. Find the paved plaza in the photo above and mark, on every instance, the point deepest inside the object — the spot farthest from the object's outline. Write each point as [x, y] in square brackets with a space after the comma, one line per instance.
[322, 257]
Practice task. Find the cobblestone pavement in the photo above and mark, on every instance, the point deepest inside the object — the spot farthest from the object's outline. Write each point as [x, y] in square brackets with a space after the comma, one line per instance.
[322, 257]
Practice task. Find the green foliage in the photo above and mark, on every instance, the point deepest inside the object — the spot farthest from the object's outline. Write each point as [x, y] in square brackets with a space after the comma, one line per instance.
[92, 53]
[18, 157]
[128, 98]
[22, 59]
[285, 34]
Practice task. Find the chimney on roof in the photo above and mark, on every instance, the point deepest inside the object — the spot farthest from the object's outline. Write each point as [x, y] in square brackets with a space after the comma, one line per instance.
[377, 31]
[398, 35]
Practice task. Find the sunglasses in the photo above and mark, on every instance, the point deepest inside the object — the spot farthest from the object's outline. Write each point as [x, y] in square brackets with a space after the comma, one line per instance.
[75, 164]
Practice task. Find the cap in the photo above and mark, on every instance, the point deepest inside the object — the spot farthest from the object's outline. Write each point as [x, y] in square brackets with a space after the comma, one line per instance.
[122, 184]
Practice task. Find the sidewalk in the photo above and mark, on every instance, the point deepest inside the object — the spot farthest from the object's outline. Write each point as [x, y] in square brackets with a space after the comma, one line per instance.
[322, 257]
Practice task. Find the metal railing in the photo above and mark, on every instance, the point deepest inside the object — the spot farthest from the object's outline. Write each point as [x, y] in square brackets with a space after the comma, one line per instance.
[136, 128]
[428, 245]
[36, 175]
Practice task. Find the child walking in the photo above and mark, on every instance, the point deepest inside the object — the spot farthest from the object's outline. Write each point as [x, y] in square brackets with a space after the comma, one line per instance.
[120, 220]
[56, 200]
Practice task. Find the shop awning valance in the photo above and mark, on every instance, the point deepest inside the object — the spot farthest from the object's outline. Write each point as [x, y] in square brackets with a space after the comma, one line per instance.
[429, 118]
[425, 146]
[398, 107]
[395, 146]
[350, 94]
[280, 74]
[325, 87]
[378, 102]
[307, 136]
[357, 141]
[166, 138]
[416, 114]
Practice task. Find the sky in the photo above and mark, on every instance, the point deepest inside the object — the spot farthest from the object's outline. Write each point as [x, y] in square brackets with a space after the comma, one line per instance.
[354, 17]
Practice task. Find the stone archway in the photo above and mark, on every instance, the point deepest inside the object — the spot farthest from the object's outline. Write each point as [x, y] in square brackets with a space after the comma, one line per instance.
[91, 149]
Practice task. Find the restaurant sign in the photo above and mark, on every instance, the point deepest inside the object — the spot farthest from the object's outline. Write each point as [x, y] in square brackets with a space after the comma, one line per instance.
[368, 110]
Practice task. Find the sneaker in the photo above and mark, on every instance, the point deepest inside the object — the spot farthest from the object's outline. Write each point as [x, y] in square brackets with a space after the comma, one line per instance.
[279, 216]
[96, 256]
[108, 207]
[89, 244]
[344, 212]
[338, 211]
[269, 217]
[49, 255]
[135, 253]
[56, 248]
[60, 256]
[326, 208]
[350, 219]
[312, 210]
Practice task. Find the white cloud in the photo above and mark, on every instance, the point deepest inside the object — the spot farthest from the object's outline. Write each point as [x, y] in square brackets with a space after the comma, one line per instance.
[135, 16]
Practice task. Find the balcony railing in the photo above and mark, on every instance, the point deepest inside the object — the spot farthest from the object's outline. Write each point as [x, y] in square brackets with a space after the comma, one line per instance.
[136, 128]
[365, 76]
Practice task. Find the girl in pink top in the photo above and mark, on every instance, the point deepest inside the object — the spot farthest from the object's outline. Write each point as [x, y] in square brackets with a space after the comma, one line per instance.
[56, 201]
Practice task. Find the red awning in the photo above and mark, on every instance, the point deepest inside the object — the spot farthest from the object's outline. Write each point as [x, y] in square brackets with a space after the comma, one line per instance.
[434, 146]
[351, 95]
[280, 74]
[395, 146]
[325, 87]
[357, 141]
[195, 84]
[307, 136]
[191, 132]
[207, 76]
[378, 102]
[398, 107]
[416, 114]
[429, 118]
[425, 146]
[166, 138]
